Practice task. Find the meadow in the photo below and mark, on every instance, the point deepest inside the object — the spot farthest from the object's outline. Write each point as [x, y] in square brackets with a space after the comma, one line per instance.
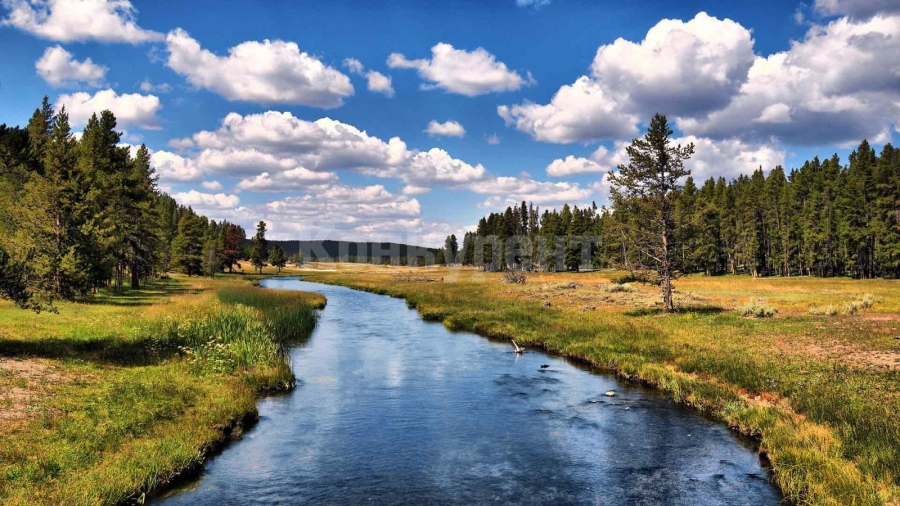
[807, 366]
[117, 396]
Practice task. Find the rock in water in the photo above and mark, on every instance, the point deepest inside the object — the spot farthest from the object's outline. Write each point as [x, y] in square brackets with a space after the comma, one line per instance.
[610, 394]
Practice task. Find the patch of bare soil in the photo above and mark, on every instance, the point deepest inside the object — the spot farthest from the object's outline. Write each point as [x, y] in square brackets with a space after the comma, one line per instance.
[866, 359]
[22, 382]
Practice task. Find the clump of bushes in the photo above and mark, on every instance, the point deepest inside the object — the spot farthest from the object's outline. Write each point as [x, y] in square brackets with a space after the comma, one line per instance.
[621, 288]
[757, 309]
[850, 308]
[516, 278]
[571, 285]
[829, 310]
[633, 277]
[867, 301]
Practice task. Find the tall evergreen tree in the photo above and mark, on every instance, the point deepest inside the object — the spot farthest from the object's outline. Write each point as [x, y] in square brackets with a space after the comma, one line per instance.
[259, 252]
[647, 187]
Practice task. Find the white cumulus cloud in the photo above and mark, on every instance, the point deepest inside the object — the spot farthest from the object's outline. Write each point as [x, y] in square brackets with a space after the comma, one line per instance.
[572, 165]
[199, 200]
[836, 86]
[276, 142]
[293, 179]
[379, 83]
[59, 68]
[508, 190]
[78, 20]
[447, 128]
[131, 109]
[579, 112]
[173, 167]
[680, 68]
[856, 8]
[266, 72]
[469, 73]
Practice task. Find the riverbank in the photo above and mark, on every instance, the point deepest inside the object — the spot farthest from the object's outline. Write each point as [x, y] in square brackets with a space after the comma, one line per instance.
[119, 395]
[820, 392]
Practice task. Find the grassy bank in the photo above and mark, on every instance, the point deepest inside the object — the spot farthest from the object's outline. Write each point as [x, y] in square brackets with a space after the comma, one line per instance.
[120, 394]
[819, 389]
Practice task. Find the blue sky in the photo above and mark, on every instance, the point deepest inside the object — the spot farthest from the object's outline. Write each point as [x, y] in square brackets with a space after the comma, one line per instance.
[527, 100]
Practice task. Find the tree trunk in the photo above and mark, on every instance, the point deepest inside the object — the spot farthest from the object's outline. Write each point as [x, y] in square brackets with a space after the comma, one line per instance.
[135, 277]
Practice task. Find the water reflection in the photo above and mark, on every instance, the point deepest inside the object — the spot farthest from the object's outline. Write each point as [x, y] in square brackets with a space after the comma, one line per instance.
[392, 410]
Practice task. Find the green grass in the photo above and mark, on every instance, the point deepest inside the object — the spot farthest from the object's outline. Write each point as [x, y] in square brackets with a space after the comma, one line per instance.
[115, 396]
[820, 394]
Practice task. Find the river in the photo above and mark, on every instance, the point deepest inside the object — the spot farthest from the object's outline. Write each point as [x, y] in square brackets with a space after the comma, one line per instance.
[390, 409]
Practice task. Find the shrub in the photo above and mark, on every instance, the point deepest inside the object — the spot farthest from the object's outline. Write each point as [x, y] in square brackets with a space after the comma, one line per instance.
[829, 310]
[634, 277]
[517, 278]
[757, 309]
[867, 301]
[624, 287]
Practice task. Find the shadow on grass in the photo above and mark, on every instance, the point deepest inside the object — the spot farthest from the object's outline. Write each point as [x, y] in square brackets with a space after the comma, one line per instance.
[701, 310]
[106, 350]
[151, 293]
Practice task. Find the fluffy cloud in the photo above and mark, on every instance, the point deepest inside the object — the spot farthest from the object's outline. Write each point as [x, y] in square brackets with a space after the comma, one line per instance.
[437, 167]
[376, 81]
[379, 83]
[265, 72]
[59, 68]
[131, 109]
[172, 167]
[448, 128]
[297, 178]
[78, 20]
[728, 158]
[838, 85]
[149, 87]
[275, 142]
[347, 212]
[579, 112]
[235, 161]
[571, 165]
[211, 185]
[861, 9]
[199, 200]
[469, 73]
[354, 65]
[681, 69]
[512, 190]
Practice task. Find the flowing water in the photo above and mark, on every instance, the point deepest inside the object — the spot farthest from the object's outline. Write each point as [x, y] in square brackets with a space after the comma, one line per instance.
[390, 409]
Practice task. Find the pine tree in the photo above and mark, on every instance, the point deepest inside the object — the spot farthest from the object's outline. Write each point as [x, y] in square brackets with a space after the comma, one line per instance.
[277, 257]
[259, 252]
[647, 187]
[187, 247]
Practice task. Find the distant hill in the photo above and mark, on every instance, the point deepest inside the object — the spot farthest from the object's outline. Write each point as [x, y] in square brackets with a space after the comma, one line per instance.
[325, 251]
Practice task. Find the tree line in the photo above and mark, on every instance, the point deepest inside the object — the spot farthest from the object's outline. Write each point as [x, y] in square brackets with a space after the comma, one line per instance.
[825, 218]
[78, 214]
